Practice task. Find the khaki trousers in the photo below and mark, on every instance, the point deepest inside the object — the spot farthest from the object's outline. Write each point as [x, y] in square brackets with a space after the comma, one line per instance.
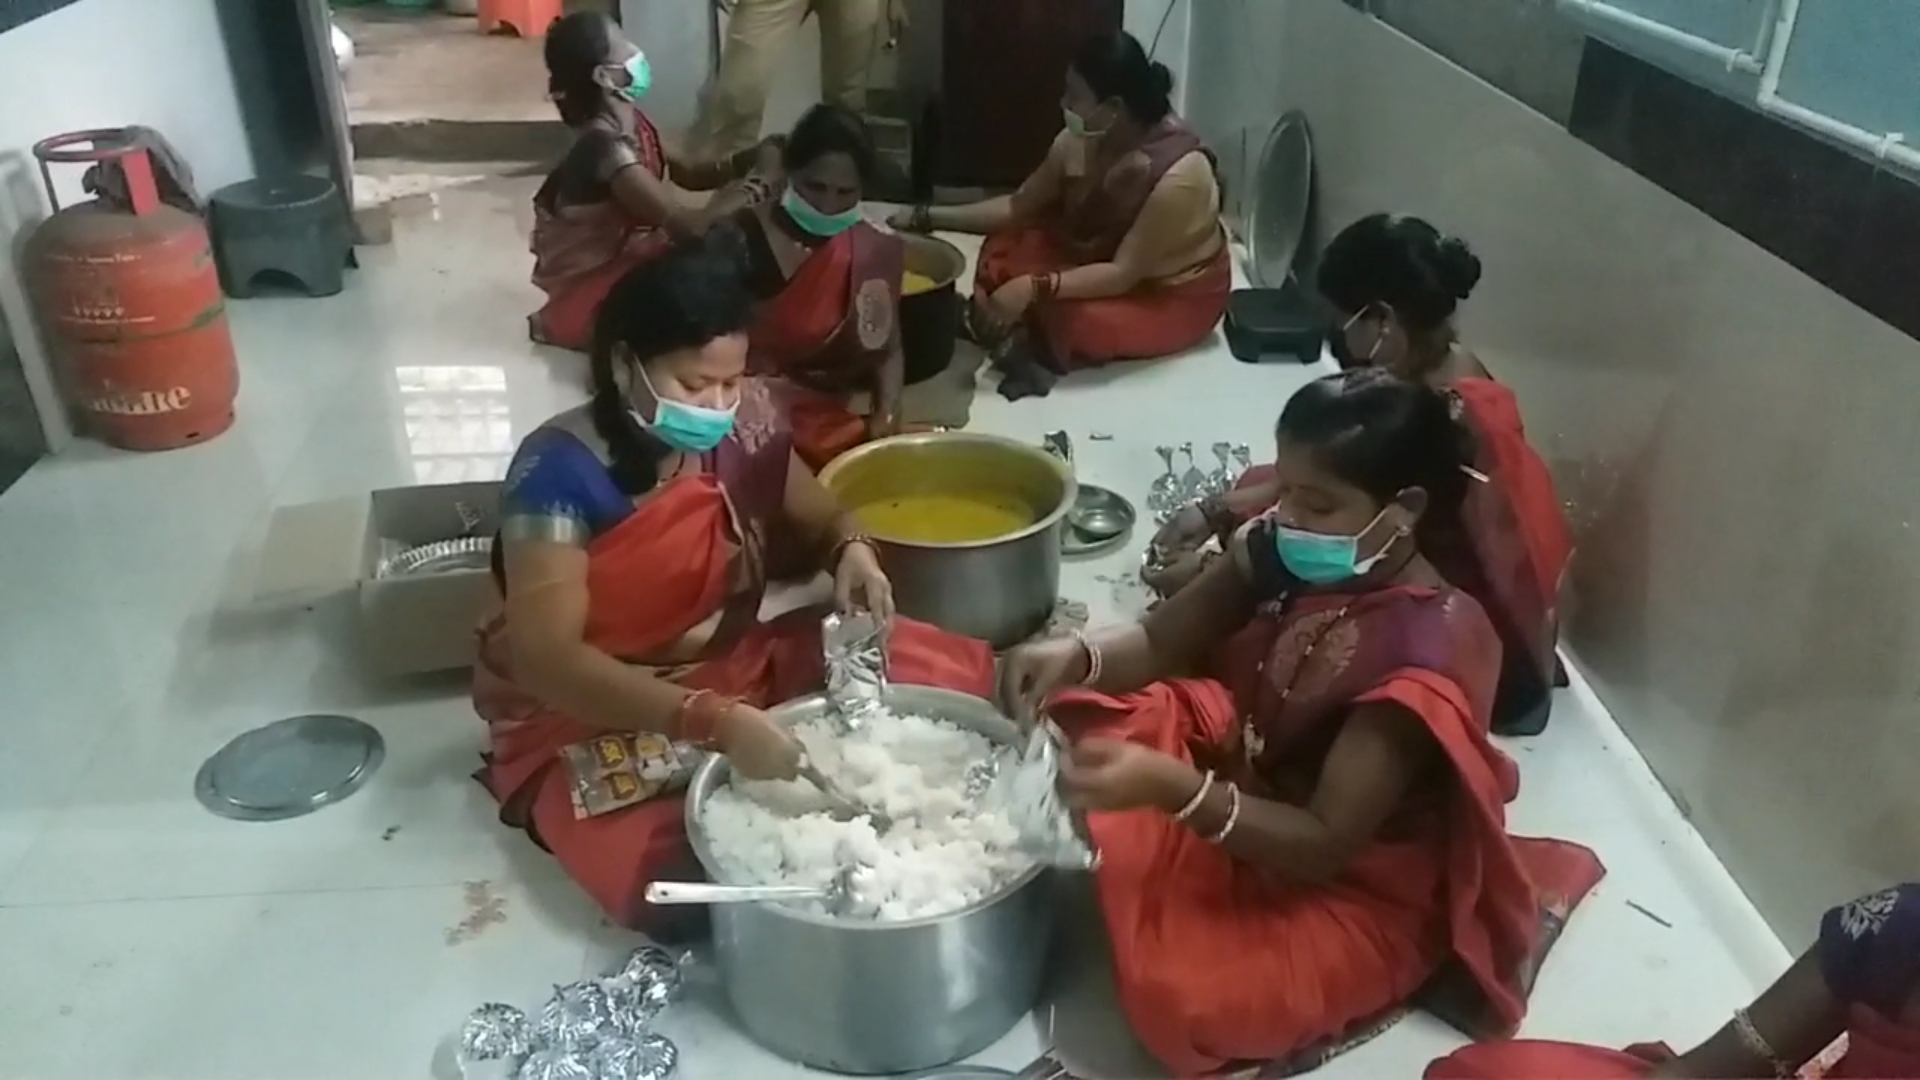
[852, 33]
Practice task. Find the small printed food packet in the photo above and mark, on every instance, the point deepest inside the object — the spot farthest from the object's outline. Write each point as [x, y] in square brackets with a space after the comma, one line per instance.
[614, 771]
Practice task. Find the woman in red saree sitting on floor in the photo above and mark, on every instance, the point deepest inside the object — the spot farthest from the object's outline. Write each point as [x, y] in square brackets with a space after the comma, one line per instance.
[829, 285]
[1113, 248]
[607, 206]
[1859, 983]
[1315, 834]
[1395, 283]
[635, 535]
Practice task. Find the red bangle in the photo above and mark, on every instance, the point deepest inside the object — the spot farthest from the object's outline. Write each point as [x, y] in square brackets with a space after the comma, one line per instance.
[699, 715]
[1045, 287]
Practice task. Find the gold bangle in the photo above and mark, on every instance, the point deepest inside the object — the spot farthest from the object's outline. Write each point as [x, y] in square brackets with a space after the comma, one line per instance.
[1751, 1038]
[1095, 661]
[840, 548]
[697, 720]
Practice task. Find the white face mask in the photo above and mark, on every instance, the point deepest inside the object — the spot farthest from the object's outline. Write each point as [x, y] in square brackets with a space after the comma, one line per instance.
[1379, 335]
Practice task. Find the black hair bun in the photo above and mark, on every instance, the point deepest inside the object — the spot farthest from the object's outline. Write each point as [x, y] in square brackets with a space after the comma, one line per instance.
[1456, 268]
[1160, 79]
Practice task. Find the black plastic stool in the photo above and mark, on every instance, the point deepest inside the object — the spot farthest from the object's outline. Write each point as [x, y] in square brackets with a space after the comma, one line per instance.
[294, 226]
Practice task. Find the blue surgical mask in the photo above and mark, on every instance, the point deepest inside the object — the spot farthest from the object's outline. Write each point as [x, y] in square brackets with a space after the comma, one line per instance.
[825, 226]
[692, 429]
[1076, 124]
[639, 77]
[1322, 559]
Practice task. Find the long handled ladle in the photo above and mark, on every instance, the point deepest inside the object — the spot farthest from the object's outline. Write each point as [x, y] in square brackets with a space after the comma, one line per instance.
[836, 895]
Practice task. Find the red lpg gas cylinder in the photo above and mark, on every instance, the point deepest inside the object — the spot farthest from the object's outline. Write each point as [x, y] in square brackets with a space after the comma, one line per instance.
[130, 300]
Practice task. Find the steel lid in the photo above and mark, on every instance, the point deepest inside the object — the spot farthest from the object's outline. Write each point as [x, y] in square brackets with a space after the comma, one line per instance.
[1282, 195]
[289, 767]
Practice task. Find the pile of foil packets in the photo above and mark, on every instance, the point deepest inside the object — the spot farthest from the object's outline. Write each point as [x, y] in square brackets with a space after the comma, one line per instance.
[596, 1029]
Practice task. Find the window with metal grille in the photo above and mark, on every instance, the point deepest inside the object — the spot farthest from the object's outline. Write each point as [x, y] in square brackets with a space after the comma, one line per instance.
[1846, 69]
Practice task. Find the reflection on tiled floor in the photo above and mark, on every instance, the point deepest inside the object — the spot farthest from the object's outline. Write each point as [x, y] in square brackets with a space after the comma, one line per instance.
[143, 937]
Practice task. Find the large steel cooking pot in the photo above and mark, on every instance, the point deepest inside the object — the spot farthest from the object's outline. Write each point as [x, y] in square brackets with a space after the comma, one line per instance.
[857, 996]
[930, 321]
[1002, 589]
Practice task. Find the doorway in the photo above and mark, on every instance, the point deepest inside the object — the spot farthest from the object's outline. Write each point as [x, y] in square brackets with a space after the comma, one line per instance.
[424, 84]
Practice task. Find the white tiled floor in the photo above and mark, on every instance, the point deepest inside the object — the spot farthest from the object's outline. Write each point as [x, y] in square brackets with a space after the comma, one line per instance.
[142, 937]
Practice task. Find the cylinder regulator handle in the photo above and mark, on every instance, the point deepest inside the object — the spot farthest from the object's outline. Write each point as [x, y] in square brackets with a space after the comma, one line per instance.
[102, 146]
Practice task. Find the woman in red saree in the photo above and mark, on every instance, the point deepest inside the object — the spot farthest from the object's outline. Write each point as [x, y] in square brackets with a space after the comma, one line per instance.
[607, 207]
[1849, 1007]
[829, 285]
[1313, 835]
[1113, 248]
[635, 537]
[1395, 283]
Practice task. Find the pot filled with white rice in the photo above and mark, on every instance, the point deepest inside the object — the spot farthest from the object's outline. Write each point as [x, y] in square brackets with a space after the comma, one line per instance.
[940, 945]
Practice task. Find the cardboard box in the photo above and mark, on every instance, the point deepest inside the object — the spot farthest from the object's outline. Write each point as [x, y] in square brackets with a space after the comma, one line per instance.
[405, 625]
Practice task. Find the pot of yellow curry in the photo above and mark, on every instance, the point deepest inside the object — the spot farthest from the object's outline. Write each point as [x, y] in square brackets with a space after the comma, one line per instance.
[929, 306]
[968, 527]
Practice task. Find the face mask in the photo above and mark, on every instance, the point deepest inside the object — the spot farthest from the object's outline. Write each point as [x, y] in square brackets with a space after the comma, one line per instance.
[639, 77]
[813, 221]
[1080, 127]
[1320, 559]
[1345, 356]
[693, 429]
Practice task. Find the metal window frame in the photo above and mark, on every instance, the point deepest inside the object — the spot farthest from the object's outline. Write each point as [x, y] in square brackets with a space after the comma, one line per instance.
[1766, 58]
[1889, 146]
[1748, 60]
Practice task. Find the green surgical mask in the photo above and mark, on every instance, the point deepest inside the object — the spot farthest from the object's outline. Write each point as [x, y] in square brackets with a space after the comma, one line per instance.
[825, 226]
[639, 77]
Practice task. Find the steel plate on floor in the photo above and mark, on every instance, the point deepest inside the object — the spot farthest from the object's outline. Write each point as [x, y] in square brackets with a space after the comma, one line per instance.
[289, 768]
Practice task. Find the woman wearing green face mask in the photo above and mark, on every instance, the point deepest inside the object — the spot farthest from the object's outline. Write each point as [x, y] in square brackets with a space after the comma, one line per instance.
[1287, 768]
[829, 285]
[1113, 248]
[606, 207]
[637, 536]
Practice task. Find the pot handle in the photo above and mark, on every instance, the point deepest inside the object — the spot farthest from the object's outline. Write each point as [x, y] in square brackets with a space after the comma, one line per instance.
[694, 892]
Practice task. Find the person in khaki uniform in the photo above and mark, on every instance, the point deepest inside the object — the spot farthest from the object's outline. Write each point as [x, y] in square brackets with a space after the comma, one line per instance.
[852, 33]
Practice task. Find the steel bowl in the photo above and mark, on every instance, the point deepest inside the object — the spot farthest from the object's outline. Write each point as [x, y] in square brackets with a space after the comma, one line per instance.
[859, 996]
[1100, 521]
[1000, 590]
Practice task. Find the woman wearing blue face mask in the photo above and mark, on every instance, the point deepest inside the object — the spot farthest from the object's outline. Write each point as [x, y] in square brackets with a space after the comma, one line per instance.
[829, 285]
[1297, 843]
[606, 207]
[635, 540]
